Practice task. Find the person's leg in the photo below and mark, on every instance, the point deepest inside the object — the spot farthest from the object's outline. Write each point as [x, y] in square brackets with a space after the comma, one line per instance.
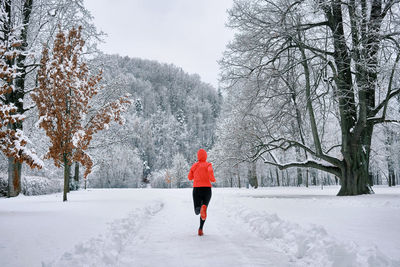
[205, 200]
[197, 200]
[201, 223]
[207, 196]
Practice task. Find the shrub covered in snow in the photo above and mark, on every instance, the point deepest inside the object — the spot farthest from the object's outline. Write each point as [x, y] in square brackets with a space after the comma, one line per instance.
[33, 185]
[3, 186]
[37, 185]
[160, 179]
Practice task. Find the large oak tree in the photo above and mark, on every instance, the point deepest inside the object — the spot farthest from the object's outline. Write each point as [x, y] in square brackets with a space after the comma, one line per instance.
[343, 57]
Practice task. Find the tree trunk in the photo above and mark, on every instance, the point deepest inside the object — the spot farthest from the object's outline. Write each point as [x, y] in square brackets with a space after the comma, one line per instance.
[299, 170]
[389, 158]
[14, 170]
[238, 175]
[299, 177]
[67, 168]
[16, 96]
[14, 167]
[252, 175]
[287, 178]
[277, 176]
[355, 179]
[355, 127]
[354, 182]
[307, 177]
[391, 174]
[371, 178]
[74, 184]
[76, 174]
[14, 177]
[254, 171]
[314, 177]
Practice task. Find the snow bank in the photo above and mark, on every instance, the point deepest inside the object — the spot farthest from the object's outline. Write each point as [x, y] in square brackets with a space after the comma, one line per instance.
[105, 250]
[310, 246]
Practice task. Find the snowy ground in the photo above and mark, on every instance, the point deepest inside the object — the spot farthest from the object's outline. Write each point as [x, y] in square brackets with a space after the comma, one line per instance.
[152, 227]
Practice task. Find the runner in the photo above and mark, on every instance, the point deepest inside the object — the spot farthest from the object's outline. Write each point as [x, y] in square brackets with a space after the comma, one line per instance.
[202, 175]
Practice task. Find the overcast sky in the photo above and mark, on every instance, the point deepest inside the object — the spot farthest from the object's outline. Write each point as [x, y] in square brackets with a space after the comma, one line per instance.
[190, 34]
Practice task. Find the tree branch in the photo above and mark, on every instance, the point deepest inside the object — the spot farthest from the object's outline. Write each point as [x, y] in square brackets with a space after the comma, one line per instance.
[385, 102]
[333, 147]
[308, 164]
[308, 26]
[285, 145]
[381, 120]
[387, 7]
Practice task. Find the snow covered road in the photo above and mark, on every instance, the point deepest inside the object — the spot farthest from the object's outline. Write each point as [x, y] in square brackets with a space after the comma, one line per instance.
[151, 227]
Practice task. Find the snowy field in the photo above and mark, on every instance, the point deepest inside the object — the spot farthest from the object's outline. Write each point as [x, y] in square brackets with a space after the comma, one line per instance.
[245, 227]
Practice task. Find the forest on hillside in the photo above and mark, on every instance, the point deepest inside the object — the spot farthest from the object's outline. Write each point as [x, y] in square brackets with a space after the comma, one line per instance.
[173, 115]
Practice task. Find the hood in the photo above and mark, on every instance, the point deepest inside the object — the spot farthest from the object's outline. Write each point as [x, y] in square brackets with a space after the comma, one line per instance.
[202, 155]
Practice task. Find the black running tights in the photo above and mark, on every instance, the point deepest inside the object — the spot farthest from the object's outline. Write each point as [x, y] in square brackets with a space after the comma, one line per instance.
[201, 196]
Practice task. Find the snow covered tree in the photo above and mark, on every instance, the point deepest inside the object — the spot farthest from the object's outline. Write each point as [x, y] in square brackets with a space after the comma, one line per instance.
[159, 179]
[120, 167]
[63, 101]
[34, 22]
[345, 59]
[180, 170]
[12, 54]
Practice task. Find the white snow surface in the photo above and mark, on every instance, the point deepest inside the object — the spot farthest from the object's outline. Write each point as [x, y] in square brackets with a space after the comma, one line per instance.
[244, 227]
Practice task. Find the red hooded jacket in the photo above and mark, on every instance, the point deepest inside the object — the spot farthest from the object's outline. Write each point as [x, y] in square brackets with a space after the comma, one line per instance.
[201, 172]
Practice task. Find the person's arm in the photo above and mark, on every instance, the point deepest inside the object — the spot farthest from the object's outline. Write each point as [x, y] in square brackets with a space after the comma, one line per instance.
[190, 175]
[211, 173]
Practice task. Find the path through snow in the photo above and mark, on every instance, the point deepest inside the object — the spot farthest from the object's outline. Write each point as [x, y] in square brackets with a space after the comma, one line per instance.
[170, 239]
[165, 234]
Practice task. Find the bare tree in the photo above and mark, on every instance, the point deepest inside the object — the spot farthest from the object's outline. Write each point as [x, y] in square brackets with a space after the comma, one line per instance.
[344, 57]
